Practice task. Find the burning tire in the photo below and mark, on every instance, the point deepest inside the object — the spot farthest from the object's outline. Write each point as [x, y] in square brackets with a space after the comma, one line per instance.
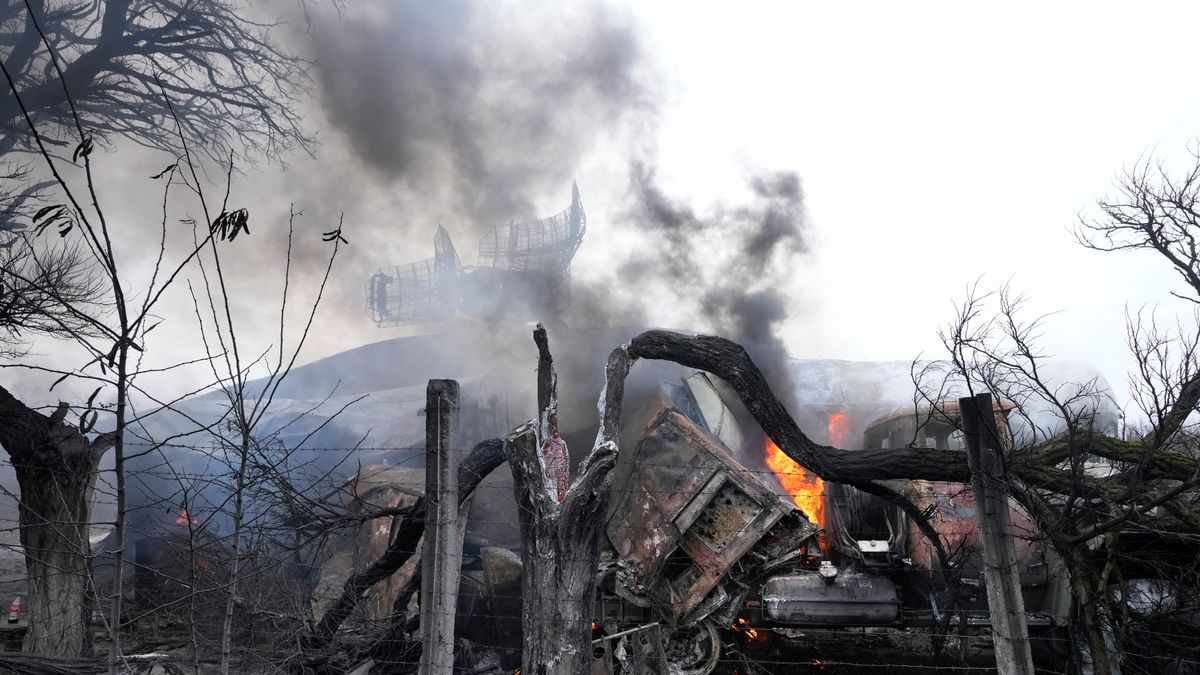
[693, 651]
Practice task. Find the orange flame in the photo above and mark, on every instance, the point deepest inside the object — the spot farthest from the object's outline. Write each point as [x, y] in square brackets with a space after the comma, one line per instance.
[807, 490]
[743, 626]
[839, 429]
[184, 518]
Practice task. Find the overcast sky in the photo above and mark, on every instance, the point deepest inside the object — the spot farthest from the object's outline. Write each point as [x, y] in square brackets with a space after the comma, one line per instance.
[934, 143]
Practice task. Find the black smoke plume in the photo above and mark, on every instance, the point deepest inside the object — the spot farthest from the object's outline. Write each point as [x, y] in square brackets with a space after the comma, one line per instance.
[726, 271]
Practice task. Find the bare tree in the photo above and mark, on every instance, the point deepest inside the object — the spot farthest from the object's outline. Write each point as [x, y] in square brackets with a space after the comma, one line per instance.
[1103, 499]
[95, 309]
[41, 292]
[1141, 487]
[108, 67]
[244, 448]
[186, 76]
[232, 86]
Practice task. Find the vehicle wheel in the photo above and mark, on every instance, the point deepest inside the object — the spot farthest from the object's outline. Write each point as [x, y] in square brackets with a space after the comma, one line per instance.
[693, 651]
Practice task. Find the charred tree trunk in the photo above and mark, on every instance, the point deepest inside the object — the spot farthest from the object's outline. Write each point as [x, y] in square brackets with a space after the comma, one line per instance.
[862, 468]
[561, 540]
[558, 568]
[56, 471]
[1092, 628]
[730, 362]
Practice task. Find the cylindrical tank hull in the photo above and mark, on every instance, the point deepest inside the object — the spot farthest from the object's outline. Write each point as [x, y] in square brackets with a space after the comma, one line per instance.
[850, 599]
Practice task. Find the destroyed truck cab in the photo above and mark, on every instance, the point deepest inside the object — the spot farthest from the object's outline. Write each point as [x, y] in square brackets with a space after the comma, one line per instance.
[702, 543]
[690, 514]
[693, 531]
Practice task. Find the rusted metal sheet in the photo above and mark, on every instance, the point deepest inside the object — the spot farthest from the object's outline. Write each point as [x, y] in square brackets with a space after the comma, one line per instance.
[687, 513]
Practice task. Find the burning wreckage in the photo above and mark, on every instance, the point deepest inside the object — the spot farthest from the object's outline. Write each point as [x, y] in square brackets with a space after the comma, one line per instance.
[700, 544]
[713, 535]
[711, 529]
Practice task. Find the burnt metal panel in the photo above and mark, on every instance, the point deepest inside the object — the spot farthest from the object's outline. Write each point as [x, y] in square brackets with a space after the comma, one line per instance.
[725, 518]
[699, 504]
[687, 513]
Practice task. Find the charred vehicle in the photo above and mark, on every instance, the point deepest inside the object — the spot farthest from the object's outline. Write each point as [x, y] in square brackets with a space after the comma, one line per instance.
[693, 532]
[953, 584]
[702, 543]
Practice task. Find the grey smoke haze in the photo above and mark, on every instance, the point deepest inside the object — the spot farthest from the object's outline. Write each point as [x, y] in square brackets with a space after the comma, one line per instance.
[472, 111]
[746, 299]
[469, 113]
[462, 113]
[482, 105]
[476, 110]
